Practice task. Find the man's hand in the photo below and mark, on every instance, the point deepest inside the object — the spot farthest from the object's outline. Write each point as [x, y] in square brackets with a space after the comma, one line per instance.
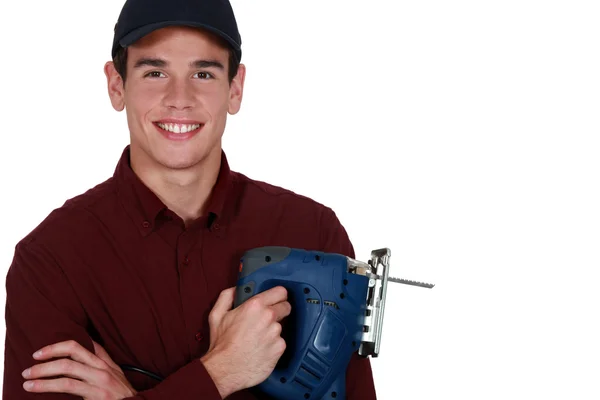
[91, 376]
[246, 342]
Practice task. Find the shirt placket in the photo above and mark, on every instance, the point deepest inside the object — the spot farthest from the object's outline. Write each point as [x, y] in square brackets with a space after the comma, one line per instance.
[192, 289]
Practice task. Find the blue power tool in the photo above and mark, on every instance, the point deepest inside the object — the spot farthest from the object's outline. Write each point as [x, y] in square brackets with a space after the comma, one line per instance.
[338, 305]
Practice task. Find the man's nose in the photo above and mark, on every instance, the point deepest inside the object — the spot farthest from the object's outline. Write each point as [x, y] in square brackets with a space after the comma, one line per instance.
[179, 95]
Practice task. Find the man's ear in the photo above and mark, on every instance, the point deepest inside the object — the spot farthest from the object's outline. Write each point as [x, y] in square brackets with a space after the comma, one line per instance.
[116, 90]
[236, 90]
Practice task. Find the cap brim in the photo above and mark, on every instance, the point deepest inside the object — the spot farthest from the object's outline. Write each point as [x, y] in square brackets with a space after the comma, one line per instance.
[139, 33]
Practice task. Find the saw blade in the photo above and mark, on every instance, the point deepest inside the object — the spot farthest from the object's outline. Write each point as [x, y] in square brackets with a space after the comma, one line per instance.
[408, 282]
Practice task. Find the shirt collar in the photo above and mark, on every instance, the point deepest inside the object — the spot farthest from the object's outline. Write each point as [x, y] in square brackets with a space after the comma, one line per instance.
[144, 207]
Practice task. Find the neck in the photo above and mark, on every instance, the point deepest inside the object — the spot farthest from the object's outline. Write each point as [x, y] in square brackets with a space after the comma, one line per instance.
[187, 191]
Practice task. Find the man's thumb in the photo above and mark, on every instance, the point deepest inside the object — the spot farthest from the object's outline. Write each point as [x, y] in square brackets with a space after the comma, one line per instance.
[224, 303]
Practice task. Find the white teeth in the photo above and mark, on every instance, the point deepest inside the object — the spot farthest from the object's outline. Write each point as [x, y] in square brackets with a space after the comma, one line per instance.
[178, 128]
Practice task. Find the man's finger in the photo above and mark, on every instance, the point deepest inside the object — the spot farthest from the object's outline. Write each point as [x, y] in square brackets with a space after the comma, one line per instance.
[273, 296]
[103, 355]
[69, 348]
[64, 367]
[61, 385]
[282, 310]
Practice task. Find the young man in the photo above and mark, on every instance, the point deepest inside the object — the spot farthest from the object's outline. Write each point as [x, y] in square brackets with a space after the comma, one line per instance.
[140, 269]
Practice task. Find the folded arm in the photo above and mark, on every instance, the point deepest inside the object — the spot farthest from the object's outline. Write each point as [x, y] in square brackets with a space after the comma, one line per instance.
[43, 309]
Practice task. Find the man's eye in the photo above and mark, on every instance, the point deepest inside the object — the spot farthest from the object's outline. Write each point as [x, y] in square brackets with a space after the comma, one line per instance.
[204, 75]
[154, 74]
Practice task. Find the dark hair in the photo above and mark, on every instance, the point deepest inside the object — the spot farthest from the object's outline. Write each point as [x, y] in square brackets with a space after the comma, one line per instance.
[120, 61]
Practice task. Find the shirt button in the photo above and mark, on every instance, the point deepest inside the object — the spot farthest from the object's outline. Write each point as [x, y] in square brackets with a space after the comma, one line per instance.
[198, 337]
[216, 227]
[186, 261]
[146, 224]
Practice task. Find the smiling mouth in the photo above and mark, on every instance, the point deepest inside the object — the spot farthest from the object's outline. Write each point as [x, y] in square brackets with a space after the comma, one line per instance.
[178, 128]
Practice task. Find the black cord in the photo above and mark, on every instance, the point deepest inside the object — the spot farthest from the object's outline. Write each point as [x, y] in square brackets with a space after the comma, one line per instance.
[141, 371]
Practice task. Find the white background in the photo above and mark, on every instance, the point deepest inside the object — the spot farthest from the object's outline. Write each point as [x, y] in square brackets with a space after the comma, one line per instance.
[461, 134]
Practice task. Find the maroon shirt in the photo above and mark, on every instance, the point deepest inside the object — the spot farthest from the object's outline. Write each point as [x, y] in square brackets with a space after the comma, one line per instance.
[116, 266]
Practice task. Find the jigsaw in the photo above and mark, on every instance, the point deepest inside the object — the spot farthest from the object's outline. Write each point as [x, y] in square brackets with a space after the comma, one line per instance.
[338, 305]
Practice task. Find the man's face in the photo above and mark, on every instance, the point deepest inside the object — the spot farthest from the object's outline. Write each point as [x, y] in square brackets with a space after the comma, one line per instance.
[177, 96]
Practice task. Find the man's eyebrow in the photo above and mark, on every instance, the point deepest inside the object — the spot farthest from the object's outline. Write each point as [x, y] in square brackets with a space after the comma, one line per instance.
[207, 64]
[152, 62]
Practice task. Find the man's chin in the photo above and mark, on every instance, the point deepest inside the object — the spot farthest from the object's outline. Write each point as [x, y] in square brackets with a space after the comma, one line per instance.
[180, 164]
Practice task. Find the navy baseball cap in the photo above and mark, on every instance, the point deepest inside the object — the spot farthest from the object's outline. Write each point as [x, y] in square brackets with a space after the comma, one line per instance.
[141, 17]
